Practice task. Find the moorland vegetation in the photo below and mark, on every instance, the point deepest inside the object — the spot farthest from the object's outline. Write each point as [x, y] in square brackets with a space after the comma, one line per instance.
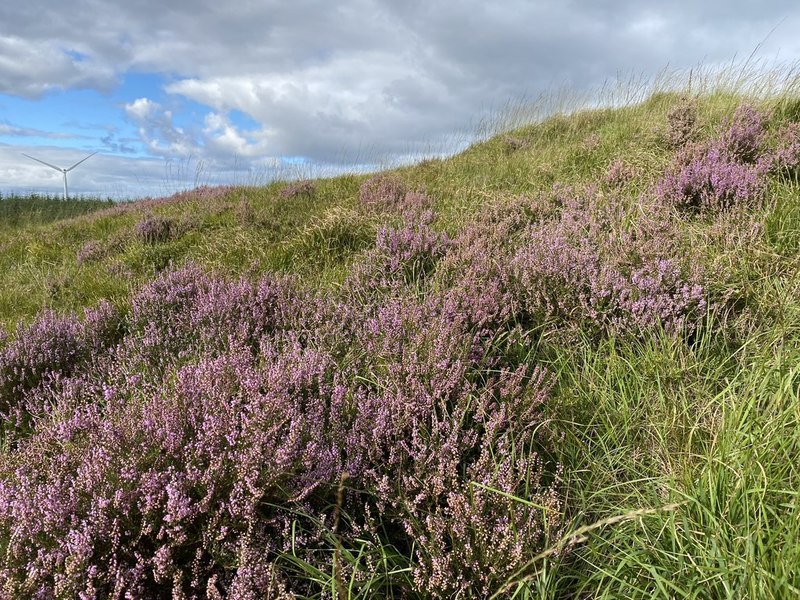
[564, 363]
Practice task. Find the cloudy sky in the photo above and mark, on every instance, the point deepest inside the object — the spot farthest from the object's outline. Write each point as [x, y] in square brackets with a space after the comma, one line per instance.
[171, 93]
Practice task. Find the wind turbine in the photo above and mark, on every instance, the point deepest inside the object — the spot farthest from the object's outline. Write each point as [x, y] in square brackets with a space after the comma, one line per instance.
[63, 170]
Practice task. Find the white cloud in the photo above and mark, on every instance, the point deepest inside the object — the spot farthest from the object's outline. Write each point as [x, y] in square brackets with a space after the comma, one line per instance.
[157, 130]
[223, 138]
[141, 109]
[322, 112]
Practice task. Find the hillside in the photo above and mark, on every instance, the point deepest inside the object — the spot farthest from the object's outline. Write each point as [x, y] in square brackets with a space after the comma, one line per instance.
[561, 364]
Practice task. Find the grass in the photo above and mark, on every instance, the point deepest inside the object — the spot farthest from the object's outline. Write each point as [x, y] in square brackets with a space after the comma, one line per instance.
[736, 533]
[680, 460]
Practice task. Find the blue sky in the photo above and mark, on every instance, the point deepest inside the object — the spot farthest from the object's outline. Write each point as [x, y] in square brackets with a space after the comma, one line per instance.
[180, 92]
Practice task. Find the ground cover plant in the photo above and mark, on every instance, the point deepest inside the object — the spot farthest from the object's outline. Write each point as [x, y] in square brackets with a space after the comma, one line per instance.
[562, 364]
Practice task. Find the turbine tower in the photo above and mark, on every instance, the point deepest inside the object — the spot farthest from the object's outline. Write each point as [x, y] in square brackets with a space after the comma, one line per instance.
[61, 169]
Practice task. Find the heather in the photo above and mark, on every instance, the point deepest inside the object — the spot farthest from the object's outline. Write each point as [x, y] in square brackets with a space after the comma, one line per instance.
[218, 425]
[560, 364]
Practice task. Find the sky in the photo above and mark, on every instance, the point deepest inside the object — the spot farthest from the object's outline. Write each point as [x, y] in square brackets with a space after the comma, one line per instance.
[177, 93]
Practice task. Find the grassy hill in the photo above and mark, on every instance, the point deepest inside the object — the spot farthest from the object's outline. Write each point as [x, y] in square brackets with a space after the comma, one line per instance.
[561, 364]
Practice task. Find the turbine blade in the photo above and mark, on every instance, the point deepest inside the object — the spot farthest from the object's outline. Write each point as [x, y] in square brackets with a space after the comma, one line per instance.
[80, 161]
[44, 163]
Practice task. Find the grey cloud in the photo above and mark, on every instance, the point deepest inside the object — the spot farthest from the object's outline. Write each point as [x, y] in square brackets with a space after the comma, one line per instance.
[31, 68]
[117, 146]
[9, 129]
[338, 81]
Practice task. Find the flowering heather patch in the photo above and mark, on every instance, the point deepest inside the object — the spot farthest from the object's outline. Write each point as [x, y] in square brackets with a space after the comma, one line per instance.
[49, 345]
[388, 194]
[186, 312]
[601, 265]
[204, 193]
[159, 491]
[711, 178]
[438, 431]
[682, 124]
[478, 260]
[413, 249]
[91, 251]
[298, 188]
[732, 169]
[209, 440]
[153, 229]
[619, 173]
[787, 152]
[743, 136]
[402, 256]
[382, 192]
[51, 348]
[416, 205]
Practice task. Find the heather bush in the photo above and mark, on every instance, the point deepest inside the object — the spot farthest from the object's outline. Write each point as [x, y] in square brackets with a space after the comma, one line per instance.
[603, 266]
[474, 276]
[153, 229]
[162, 491]
[619, 174]
[729, 170]
[787, 151]
[51, 344]
[50, 348]
[711, 179]
[413, 250]
[382, 192]
[298, 188]
[402, 256]
[681, 124]
[183, 313]
[416, 205]
[205, 194]
[744, 134]
[91, 251]
[388, 194]
[208, 442]
[431, 435]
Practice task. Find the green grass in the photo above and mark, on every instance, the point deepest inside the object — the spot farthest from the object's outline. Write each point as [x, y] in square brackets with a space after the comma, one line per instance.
[681, 461]
[732, 468]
